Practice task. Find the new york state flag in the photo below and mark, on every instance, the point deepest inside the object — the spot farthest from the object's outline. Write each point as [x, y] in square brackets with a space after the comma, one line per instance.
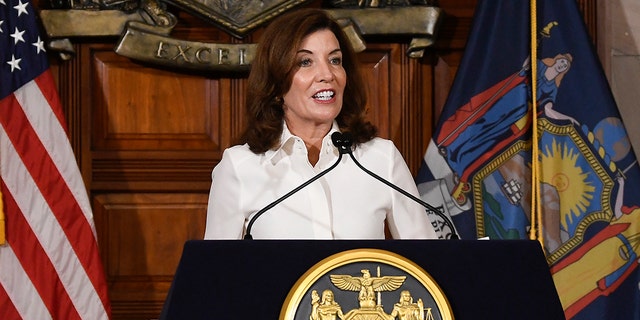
[485, 164]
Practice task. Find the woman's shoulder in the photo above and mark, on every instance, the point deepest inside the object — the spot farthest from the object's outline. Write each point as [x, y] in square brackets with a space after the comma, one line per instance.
[379, 144]
[379, 149]
[237, 158]
[238, 153]
[238, 149]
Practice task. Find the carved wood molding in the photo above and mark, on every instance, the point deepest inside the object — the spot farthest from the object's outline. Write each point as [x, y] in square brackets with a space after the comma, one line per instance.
[145, 34]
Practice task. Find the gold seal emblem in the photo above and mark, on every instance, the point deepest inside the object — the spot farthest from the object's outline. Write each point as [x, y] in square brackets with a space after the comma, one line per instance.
[342, 287]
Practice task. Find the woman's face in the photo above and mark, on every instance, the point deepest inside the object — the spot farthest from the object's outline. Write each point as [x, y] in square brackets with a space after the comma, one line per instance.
[561, 65]
[317, 87]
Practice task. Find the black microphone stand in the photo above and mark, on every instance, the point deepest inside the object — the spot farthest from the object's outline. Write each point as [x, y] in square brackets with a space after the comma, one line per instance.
[248, 236]
[345, 141]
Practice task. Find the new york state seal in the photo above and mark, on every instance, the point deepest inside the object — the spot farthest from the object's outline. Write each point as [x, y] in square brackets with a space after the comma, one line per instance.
[342, 287]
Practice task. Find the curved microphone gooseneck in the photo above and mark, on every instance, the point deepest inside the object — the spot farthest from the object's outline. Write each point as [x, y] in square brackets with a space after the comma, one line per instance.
[345, 140]
[253, 219]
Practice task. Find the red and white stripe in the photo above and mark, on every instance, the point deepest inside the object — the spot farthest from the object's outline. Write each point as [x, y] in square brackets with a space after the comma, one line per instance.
[50, 267]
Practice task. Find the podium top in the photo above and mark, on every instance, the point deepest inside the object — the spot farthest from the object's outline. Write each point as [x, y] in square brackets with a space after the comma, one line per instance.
[244, 279]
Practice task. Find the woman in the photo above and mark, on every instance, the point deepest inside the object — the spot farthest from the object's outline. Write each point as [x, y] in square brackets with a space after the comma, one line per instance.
[304, 85]
[550, 74]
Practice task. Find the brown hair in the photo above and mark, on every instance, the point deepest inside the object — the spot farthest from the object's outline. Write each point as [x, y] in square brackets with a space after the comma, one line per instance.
[272, 72]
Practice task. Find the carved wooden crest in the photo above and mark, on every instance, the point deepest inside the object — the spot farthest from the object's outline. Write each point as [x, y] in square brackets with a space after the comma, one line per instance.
[237, 17]
[145, 27]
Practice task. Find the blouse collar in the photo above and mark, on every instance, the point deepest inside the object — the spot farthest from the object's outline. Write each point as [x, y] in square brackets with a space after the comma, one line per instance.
[288, 142]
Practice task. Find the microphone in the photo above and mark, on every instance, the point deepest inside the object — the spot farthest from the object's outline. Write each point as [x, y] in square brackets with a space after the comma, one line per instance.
[344, 141]
[253, 219]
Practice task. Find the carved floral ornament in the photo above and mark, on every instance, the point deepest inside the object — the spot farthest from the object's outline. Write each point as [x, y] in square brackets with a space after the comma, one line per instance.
[145, 27]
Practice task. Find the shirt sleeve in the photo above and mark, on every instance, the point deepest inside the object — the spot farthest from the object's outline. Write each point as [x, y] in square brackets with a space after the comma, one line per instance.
[408, 219]
[225, 219]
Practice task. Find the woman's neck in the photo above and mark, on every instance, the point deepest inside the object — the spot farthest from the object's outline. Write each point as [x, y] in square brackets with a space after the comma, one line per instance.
[312, 137]
[313, 152]
[550, 74]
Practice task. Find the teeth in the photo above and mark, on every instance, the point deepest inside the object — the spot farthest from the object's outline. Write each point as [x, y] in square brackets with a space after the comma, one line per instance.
[324, 95]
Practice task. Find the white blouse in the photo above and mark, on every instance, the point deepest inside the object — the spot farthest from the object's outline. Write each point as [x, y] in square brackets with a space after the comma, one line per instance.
[345, 203]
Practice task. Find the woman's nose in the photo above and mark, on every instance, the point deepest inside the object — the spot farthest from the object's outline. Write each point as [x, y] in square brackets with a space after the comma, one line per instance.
[325, 72]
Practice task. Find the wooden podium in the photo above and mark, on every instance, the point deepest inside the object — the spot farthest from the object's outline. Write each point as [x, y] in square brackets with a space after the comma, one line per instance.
[250, 279]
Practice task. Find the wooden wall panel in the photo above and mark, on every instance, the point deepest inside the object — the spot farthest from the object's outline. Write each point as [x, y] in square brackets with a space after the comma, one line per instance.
[140, 108]
[153, 129]
[377, 71]
[141, 239]
[154, 137]
[400, 96]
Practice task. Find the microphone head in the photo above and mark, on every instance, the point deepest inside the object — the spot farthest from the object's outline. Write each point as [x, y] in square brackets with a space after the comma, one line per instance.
[336, 138]
[342, 141]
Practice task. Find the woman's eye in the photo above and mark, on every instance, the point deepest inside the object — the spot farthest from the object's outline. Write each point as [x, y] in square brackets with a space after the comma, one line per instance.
[304, 63]
[336, 61]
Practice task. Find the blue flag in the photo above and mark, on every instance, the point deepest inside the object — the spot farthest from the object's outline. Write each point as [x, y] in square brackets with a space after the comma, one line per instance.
[478, 166]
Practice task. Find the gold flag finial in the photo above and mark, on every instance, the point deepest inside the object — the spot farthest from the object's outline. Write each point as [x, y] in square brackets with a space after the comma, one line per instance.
[546, 31]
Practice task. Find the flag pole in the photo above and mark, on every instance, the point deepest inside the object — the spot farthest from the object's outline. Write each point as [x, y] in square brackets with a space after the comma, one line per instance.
[535, 232]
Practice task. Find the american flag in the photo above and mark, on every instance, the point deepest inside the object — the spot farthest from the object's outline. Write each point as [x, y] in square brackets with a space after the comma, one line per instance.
[50, 265]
